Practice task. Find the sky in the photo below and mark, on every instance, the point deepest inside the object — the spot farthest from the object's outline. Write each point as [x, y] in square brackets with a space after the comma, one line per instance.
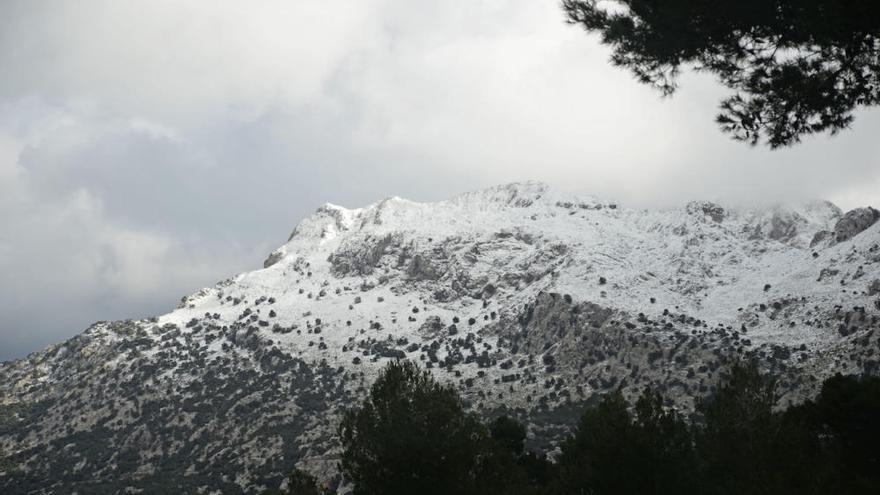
[151, 148]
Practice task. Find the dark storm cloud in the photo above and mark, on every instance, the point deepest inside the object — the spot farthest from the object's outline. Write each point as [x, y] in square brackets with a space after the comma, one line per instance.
[150, 148]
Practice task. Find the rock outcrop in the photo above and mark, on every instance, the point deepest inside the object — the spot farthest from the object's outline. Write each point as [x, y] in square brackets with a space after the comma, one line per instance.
[855, 222]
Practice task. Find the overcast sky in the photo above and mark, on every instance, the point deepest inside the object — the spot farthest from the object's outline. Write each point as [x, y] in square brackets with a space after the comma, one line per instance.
[150, 148]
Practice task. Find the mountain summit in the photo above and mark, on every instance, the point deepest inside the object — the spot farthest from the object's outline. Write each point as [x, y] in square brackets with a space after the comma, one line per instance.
[528, 300]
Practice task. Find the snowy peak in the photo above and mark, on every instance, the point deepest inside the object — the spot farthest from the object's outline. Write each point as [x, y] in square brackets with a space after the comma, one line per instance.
[505, 205]
[326, 222]
[523, 298]
[515, 194]
[523, 238]
[699, 234]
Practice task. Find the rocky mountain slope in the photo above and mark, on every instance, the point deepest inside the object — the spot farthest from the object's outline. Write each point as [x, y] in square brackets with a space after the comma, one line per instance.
[527, 300]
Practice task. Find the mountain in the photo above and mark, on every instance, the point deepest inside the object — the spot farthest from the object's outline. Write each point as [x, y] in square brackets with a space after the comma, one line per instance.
[528, 300]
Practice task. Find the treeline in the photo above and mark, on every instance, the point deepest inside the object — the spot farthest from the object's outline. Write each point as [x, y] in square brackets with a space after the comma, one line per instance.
[412, 436]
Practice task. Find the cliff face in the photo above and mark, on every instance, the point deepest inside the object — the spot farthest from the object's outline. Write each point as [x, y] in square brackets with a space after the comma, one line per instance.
[525, 299]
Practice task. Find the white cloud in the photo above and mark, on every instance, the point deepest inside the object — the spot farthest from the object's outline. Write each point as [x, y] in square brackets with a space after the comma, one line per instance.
[183, 61]
[65, 262]
[148, 148]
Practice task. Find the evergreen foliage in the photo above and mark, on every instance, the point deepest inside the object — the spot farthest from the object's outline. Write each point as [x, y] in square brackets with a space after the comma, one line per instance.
[301, 483]
[506, 466]
[412, 436]
[5, 463]
[844, 435]
[796, 67]
[738, 434]
[508, 434]
[613, 451]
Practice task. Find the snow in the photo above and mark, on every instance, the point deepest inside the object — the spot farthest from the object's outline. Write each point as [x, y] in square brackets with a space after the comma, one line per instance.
[733, 281]
[684, 258]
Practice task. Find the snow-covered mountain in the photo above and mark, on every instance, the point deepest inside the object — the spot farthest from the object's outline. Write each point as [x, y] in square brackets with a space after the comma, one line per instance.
[526, 299]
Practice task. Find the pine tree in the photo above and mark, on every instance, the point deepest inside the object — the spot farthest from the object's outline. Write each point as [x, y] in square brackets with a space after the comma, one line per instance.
[796, 67]
[595, 458]
[5, 463]
[737, 438]
[505, 465]
[612, 452]
[411, 435]
[845, 416]
[302, 483]
[666, 446]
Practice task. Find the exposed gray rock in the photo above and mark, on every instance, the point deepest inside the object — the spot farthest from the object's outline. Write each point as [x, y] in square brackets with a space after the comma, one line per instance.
[707, 208]
[364, 257]
[431, 327]
[820, 237]
[783, 226]
[421, 268]
[827, 273]
[874, 288]
[273, 258]
[855, 222]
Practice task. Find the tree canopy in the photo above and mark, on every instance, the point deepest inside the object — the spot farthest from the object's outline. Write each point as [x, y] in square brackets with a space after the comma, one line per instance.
[615, 452]
[412, 435]
[301, 483]
[796, 67]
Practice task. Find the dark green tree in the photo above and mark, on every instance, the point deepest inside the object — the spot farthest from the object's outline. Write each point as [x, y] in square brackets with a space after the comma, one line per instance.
[666, 447]
[593, 457]
[845, 418]
[796, 67]
[506, 466]
[411, 435]
[612, 452]
[301, 483]
[509, 434]
[5, 463]
[744, 447]
[733, 442]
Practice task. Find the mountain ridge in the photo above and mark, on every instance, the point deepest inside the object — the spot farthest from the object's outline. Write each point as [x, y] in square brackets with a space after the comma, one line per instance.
[526, 299]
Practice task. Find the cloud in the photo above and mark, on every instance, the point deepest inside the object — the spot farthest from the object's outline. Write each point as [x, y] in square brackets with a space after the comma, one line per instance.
[66, 262]
[164, 59]
[150, 148]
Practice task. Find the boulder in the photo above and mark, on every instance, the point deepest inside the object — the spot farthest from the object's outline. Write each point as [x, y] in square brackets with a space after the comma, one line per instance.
[855, 222]
[706, 209]
[820, 237]
[784, 226]
[273, 258]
